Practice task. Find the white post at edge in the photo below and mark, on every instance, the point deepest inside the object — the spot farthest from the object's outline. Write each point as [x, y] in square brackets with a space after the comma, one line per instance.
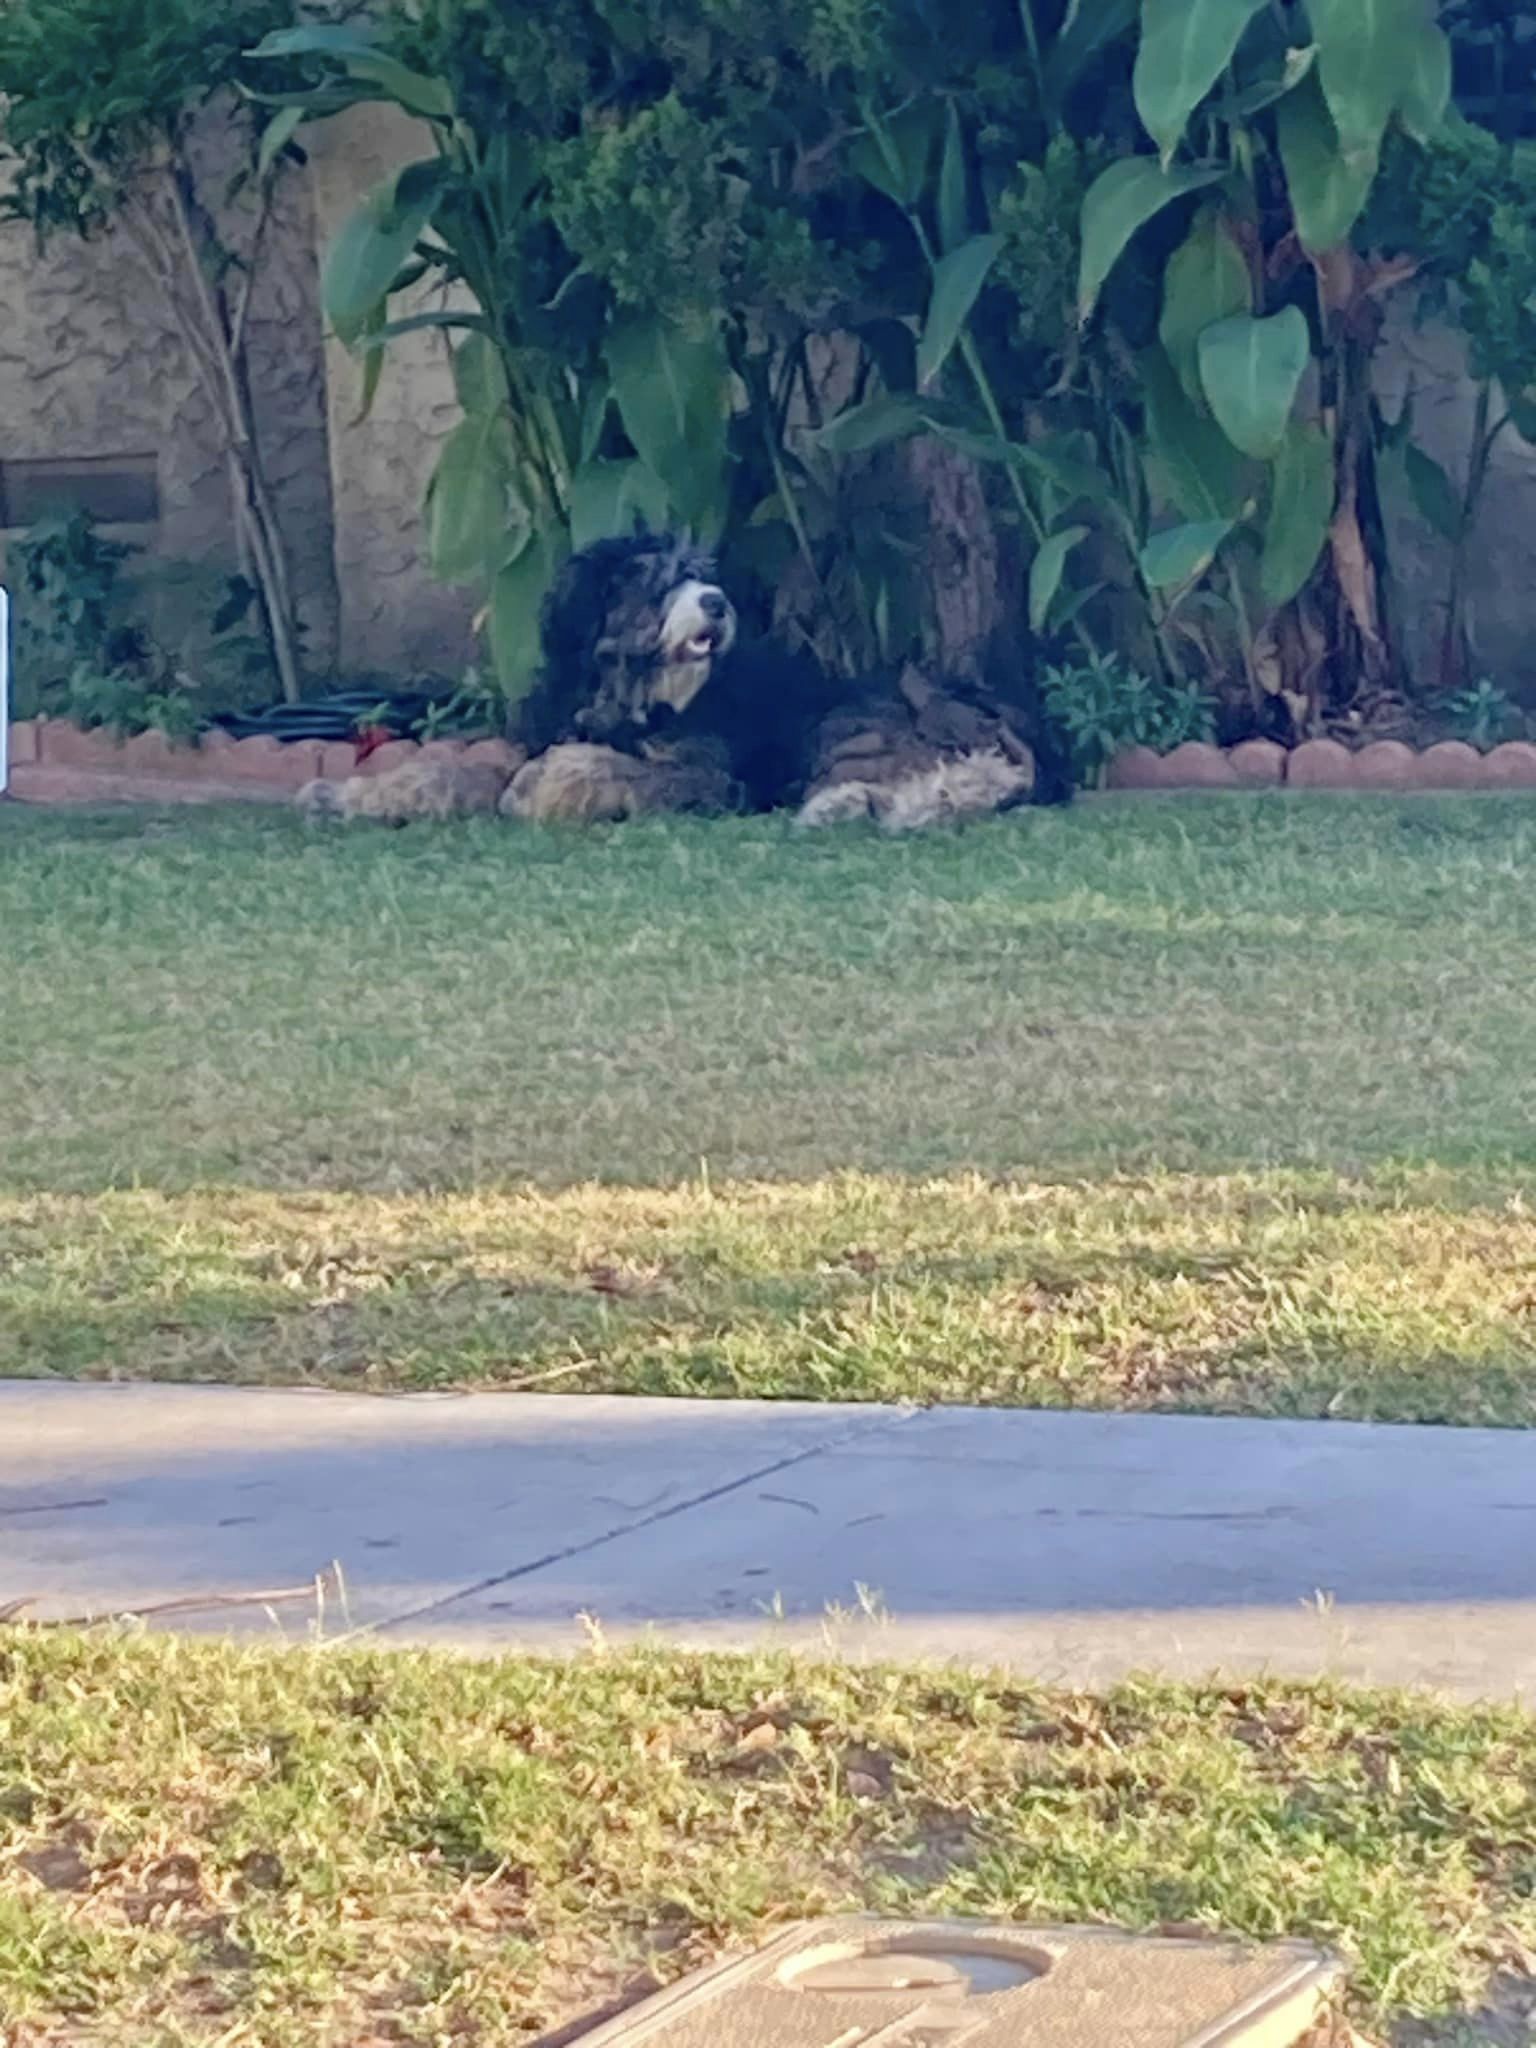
[5, 689]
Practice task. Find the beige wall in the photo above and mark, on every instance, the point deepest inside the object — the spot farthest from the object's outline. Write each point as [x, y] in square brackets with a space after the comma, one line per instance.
[90, 366]
[395, 617]
[1430, 361]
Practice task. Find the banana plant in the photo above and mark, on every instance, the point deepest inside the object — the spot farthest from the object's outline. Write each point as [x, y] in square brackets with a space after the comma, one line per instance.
[578, 420]
[1268, 120]
[918, 156]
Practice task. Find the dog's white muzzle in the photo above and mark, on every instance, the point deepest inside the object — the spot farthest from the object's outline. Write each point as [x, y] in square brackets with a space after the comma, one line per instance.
[698, 628]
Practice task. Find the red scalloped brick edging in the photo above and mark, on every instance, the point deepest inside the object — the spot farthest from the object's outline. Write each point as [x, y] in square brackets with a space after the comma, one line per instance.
[1388, 765]
[53, 761]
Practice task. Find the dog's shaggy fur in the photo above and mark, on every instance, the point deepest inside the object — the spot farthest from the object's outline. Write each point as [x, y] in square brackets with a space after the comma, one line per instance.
[431, 790]
[631, 629]
[975, 785]
[643, 652]
[648, 699]
[580, 783]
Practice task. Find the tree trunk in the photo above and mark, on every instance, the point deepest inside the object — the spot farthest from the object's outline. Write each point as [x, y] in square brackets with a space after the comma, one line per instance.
[174, 236]
[206, 307]
[1350, 598]
[963, 558]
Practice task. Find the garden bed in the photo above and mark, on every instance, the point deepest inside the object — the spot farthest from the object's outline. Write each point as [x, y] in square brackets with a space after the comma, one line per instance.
[53, 761]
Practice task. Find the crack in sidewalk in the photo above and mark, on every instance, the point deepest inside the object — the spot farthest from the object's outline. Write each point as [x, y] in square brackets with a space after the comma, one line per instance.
[886, 1419]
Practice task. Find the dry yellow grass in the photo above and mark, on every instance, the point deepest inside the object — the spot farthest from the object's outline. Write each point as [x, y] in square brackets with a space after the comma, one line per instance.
[1409, 1297]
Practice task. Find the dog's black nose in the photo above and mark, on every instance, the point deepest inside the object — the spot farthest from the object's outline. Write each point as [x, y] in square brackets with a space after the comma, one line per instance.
[715, 605]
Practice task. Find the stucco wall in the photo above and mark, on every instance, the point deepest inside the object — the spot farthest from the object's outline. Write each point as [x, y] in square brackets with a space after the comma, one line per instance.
[90, 365]
[1429, 361]
[395, 616]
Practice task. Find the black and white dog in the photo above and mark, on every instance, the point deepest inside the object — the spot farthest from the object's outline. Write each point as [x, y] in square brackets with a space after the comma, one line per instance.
[642, 645]
[632, 629]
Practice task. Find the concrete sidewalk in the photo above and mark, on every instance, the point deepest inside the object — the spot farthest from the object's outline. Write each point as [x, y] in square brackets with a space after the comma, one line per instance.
[1073, 1548]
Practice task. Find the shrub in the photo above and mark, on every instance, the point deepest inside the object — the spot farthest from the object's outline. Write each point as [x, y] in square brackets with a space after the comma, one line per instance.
[93, 634]
[1484, 715]
[1102, 707]
[1118, 261]
[73, 610]
[698, 235]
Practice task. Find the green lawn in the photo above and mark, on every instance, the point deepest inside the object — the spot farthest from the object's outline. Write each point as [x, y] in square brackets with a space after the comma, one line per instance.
[1207, 986]
[303, 1850]
[1216, 1104]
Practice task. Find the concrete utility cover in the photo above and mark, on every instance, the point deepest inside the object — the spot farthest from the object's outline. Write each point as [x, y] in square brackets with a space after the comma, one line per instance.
[860, 1983]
